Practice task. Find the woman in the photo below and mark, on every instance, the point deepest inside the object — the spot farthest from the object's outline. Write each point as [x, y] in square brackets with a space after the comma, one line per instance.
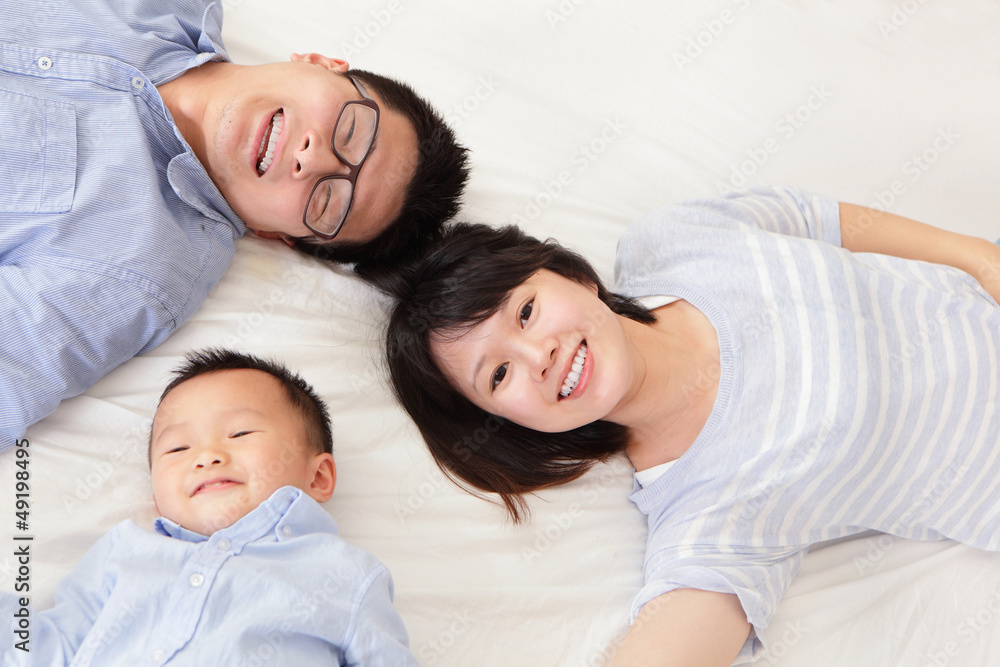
[775, 383]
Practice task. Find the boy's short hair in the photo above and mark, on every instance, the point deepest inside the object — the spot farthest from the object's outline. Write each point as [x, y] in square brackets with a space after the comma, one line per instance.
[312, 409]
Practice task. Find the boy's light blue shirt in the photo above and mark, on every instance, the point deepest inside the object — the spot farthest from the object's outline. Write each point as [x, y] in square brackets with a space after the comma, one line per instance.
[111, 231]
[278, 587]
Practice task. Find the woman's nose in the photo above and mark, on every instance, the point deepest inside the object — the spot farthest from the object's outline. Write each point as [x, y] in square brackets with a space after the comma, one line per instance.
[542, 356]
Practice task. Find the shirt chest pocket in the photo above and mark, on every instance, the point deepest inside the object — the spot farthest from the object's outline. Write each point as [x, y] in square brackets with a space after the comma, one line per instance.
[37, 154]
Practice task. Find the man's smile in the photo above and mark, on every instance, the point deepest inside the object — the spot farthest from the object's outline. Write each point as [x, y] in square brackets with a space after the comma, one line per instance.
[268, 142]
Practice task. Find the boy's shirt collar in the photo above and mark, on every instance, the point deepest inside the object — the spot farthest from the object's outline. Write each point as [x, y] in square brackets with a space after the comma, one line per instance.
[288, 513]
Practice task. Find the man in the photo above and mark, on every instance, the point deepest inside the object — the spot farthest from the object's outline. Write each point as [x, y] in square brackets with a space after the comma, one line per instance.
[133, 154]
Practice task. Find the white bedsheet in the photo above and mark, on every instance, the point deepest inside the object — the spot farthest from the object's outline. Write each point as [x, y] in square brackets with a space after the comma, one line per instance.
[581, 116]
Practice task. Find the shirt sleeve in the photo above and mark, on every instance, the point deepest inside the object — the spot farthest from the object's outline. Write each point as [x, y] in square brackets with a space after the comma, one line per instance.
[759, 579]
[788, 211]
[57, 634]
[62, 329]
[379, 636]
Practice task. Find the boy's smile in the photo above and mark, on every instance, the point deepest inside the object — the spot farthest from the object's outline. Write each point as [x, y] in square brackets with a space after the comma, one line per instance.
[222, 443]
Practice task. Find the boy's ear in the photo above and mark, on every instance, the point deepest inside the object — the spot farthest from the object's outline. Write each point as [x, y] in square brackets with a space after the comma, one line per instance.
[324, 478]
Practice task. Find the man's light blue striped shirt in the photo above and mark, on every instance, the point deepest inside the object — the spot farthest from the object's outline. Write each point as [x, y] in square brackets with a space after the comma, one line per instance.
[111, 232]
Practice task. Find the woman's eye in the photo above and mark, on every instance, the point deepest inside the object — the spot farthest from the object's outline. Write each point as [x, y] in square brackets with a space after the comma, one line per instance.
[526, 312]
[498, 376]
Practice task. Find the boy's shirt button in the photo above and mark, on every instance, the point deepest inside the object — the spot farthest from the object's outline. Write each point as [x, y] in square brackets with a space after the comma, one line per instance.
[196, 580]
[223, 544]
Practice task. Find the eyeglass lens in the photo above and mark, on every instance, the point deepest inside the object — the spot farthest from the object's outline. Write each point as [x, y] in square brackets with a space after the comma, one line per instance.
[353, 137]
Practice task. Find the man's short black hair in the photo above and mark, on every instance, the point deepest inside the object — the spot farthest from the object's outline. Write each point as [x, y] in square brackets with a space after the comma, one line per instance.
[315, 416]
[431, 198]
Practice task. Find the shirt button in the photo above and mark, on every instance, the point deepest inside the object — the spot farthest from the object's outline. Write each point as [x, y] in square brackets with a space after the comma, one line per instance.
[223, 544]
[45, 62]
[137, 82]
[159, 655]
[286, 531]
[197, 580]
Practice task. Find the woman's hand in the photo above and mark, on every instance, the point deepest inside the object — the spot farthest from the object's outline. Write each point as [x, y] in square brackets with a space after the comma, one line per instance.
[868, 230]
[986, 269]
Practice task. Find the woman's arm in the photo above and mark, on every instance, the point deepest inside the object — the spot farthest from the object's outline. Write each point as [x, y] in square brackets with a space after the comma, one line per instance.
[685, 627]
[868, 230]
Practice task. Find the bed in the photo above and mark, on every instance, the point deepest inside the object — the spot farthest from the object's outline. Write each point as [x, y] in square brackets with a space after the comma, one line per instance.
[581, 116]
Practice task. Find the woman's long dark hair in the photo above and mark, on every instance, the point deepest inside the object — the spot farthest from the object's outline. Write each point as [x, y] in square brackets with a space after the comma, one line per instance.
[462, 281]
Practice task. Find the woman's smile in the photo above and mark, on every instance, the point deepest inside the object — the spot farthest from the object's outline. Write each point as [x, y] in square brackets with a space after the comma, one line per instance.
[535, 360]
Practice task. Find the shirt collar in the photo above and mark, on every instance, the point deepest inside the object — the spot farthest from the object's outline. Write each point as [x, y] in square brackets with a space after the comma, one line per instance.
[287, 513]
[187, 176]
[191, 182]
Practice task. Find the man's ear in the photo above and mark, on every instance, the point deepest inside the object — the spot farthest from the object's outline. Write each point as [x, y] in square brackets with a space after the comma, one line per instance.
[324, 478]
[289, 241]
[333, 64]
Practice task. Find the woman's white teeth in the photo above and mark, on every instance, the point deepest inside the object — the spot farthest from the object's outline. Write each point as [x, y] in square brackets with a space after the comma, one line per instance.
[569, 384]
[265, 154]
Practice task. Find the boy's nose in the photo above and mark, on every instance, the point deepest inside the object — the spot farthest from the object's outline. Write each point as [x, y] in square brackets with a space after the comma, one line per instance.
[208, 457]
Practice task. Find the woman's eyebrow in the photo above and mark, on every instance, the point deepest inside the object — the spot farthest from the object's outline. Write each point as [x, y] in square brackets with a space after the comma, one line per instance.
[475, 372]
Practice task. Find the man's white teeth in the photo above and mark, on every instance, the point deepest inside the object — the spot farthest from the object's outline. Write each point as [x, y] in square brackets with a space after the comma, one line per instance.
[266, 155]
[574, 374]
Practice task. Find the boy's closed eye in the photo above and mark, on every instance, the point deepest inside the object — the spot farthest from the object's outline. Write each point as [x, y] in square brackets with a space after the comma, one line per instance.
[233, 435]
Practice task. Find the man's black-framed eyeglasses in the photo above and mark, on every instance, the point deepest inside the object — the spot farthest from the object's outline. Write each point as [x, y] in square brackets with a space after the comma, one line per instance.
[353, 137]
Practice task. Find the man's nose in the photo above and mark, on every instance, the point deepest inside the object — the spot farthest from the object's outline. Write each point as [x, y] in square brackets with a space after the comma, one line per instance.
[314, 158]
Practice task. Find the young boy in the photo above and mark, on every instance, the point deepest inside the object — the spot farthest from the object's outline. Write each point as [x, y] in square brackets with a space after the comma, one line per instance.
[243, 567]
